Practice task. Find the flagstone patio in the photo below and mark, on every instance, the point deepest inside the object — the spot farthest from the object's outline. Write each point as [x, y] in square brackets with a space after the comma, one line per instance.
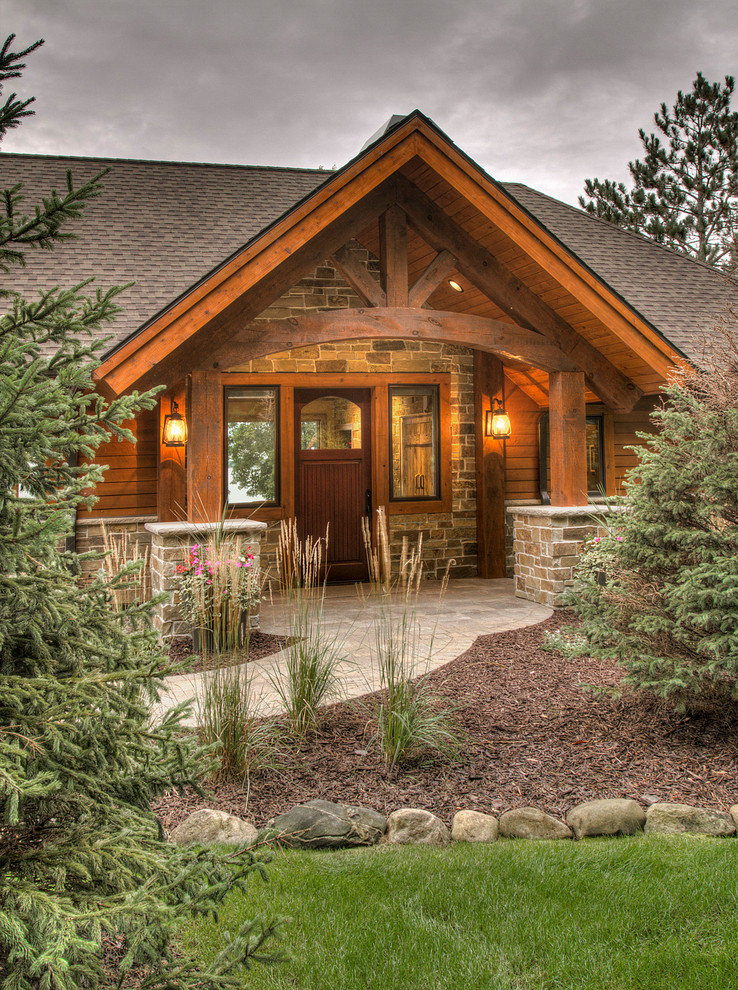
[446, 628]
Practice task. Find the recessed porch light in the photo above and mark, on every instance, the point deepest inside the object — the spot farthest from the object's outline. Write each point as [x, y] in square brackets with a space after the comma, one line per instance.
[455, 285]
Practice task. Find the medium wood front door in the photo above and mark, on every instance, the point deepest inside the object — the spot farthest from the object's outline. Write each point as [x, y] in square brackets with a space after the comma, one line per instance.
[333, 473]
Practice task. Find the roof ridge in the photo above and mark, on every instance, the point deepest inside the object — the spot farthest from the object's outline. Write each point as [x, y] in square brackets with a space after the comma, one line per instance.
[625, 230]
[162, 161]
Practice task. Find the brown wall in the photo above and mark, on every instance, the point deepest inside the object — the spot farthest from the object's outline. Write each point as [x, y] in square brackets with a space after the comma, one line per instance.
[129, 488]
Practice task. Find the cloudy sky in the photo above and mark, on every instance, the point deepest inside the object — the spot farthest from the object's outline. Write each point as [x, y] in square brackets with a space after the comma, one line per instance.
[546, 92]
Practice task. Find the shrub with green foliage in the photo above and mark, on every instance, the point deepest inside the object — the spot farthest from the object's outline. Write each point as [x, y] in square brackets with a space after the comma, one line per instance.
[660, 594]
[83, 863]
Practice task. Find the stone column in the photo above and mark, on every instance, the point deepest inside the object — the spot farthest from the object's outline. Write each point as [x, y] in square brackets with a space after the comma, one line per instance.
[170, 543]
[547, 541]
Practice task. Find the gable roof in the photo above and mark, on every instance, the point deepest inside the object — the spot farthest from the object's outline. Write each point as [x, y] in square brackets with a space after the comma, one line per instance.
[163, 225]
[680, 297]
[167, 225]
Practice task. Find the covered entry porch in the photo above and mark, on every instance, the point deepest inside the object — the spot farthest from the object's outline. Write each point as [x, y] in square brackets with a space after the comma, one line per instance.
[411, 249]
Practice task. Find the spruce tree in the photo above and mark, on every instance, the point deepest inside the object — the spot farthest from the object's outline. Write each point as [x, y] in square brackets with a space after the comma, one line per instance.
[660, 592]
[83, 863]
[685, 189]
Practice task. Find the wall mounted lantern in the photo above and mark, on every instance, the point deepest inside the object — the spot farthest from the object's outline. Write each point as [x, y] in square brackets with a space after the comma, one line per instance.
[497, 422]
[174, 433]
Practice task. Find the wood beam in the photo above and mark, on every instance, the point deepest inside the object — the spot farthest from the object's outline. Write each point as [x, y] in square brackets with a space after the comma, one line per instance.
[441, 266]
[171, 490]
[153, 363]
[366, 288]
[490, 468]
[512, 344]
[513, 296]
[205, 447]
[393, 256]
[568, 438]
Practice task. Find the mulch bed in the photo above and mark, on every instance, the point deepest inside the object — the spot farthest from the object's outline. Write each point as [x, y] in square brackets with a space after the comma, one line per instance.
[260, 645]
[535, 736]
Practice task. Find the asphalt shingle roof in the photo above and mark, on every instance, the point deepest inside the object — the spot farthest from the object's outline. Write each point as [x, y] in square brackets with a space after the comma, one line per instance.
[165, 225]
[681, 298]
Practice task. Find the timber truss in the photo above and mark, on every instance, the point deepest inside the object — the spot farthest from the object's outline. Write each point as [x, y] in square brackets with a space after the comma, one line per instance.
[538, 337]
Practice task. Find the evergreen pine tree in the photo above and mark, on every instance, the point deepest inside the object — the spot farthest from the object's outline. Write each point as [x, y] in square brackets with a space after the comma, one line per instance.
[685, 189]
[82, 858]
[660, 593]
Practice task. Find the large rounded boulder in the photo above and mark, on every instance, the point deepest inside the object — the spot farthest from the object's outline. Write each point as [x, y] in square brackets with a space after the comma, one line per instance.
[208, 827]
[326, 825]
[414, 826]
[616, 816]
[532, 823]
[474, 826]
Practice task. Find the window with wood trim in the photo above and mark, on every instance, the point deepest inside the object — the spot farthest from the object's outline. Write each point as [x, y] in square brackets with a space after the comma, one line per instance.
[595, 457]
[252, 445]
[414, 442]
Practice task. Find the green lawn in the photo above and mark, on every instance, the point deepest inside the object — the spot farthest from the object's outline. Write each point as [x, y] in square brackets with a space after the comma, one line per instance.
[647, 914]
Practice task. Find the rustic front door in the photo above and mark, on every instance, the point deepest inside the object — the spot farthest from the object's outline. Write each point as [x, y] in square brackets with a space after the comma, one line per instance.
[333, 473]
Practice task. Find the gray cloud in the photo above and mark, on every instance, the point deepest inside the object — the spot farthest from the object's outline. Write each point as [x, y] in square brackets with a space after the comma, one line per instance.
[541, 91]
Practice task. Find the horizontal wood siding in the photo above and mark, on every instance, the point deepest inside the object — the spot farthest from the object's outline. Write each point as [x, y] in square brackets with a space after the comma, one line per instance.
[625, 427]
[521, 450]
[129, 486]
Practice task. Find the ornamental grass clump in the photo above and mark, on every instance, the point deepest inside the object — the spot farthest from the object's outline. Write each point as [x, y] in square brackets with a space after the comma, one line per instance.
[659, 593]
[308, 674]
[410, 719]
[219, 585]
[127, 566]
[229, 719]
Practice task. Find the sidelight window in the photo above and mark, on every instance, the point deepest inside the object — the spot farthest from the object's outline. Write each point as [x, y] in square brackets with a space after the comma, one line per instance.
[414, 442]
[595, 457]
[251, 456]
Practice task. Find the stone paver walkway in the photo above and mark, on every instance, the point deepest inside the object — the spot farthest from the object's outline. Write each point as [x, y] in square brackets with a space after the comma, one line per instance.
[446, 628]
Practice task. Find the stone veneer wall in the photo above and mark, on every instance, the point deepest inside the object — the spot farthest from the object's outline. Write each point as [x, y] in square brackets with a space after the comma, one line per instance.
[446, 536]
[132, 529]
[170, 543]
[547, 541]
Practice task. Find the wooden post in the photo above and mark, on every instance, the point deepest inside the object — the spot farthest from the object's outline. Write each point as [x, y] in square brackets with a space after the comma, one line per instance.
[490, 460]
[393, 256]
[205, 492]
[171, 490]
[567, 423]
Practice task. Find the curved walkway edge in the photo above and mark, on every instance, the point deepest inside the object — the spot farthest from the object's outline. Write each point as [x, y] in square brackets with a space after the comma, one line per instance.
[443, 629]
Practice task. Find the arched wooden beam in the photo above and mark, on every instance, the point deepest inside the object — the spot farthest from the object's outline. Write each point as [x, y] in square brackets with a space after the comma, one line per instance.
[512, 344]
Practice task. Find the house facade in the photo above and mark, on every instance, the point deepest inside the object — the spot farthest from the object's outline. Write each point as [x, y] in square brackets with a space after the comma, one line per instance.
[341, 341]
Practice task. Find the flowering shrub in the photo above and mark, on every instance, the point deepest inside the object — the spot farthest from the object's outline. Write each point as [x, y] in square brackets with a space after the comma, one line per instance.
[216, 586]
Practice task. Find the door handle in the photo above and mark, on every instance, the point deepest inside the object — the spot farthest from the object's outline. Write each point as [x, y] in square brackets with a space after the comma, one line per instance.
[368, 502]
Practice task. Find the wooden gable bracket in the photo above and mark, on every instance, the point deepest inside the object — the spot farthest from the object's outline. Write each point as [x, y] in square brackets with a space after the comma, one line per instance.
[366, 288]
[441, 266]
[512, 295]
[371, 292]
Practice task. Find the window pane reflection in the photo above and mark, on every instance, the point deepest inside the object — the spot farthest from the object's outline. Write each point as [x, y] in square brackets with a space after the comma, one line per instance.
[330, 423]
[251, 422]
[414, 416]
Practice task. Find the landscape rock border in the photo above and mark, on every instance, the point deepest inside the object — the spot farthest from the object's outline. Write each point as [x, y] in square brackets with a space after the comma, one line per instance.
[321, 824]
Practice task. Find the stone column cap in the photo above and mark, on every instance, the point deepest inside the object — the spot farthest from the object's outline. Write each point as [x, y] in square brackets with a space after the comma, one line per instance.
[193, 528]
[564, 511]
